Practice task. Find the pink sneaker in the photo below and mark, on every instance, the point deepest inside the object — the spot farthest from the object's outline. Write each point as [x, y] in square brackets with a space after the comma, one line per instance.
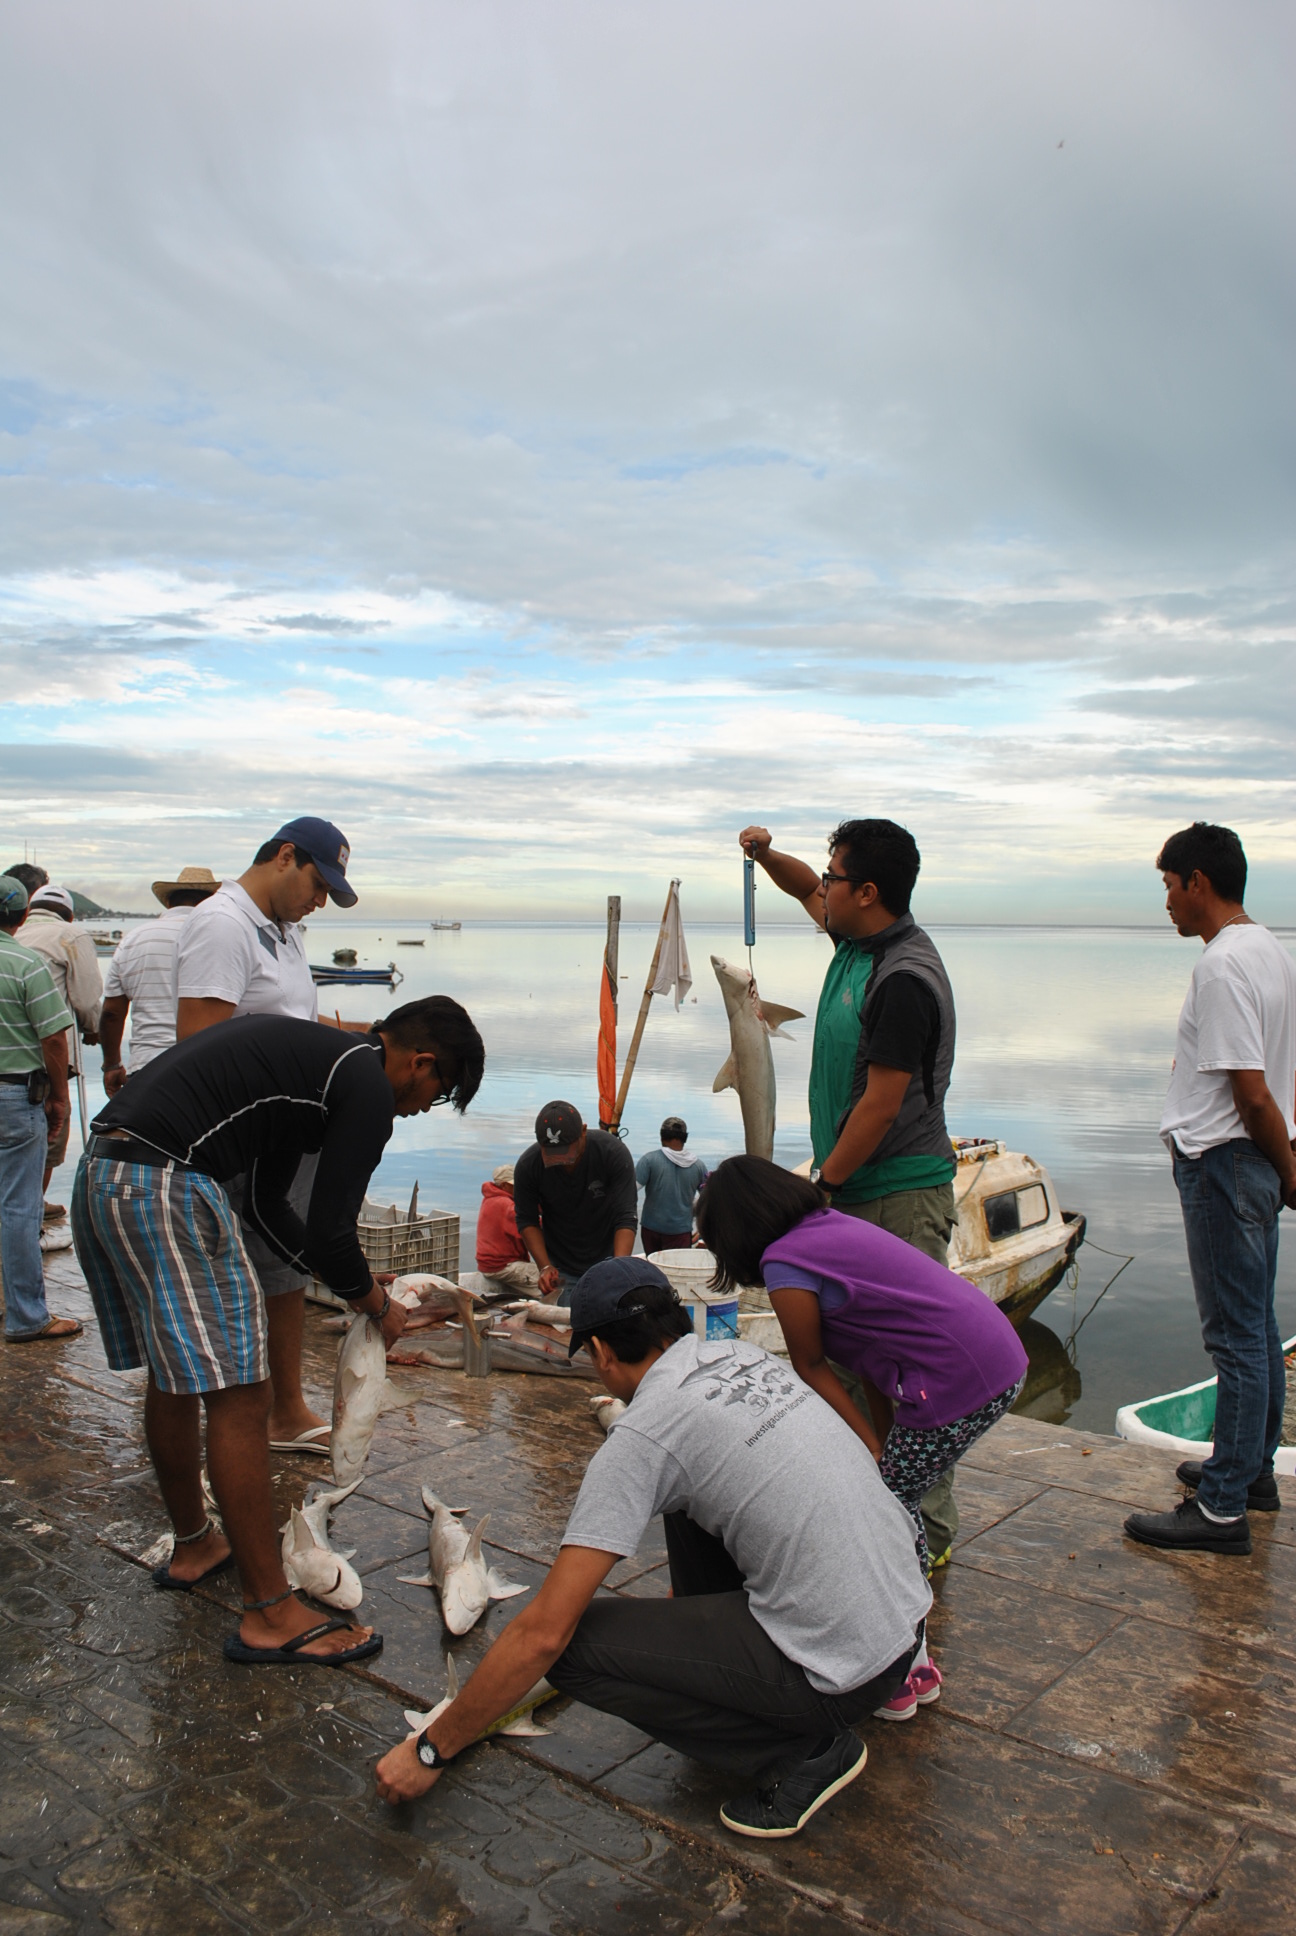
[926, 1684]
[922, 1687]
[902, 1706]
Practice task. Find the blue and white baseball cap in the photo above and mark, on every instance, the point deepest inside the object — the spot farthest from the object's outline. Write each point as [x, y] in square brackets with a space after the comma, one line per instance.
[327, 847]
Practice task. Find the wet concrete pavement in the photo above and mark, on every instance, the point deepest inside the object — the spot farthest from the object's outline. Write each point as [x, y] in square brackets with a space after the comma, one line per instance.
[1113, 1752]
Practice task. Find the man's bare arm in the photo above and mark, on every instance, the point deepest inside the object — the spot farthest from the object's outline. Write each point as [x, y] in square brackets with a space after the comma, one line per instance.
[794, 877]
[526, 1650]
[112, 1024]
[197, 1012]
[868, 1122]
[58, 1104]
[1263, 1122]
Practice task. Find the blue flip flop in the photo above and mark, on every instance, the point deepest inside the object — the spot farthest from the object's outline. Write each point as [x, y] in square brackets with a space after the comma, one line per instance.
[165, 1578]
[290, 1654]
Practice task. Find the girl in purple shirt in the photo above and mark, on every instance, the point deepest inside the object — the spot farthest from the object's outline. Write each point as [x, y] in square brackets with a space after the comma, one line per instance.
[938, 1361]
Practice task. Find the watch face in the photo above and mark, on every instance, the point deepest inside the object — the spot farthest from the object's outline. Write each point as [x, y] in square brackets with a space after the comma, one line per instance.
[427, 1754]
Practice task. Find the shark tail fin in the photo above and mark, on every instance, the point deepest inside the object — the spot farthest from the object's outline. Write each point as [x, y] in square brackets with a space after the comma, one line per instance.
[727, 1078]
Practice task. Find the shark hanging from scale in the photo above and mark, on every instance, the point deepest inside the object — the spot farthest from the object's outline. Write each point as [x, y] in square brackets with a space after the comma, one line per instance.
[750, 1068]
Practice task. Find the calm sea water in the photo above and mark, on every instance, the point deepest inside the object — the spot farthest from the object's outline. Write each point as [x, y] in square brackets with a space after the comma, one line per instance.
[1064, 1050]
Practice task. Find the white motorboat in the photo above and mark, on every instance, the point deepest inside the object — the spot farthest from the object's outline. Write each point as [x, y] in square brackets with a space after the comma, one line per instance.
[1012, 1238]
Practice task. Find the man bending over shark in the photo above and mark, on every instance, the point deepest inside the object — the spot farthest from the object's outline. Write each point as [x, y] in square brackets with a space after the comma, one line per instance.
[798, 1599]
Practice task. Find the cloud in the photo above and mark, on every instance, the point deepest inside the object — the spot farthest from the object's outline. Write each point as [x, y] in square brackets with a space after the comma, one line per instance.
[657, 415]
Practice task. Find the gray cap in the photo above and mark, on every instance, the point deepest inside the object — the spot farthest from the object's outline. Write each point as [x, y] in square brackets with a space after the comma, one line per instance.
[13, 897]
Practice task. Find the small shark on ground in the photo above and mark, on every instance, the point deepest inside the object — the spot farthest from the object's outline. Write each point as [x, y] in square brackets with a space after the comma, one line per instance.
[518, 1720]
[750, 1067]
[456, 1567]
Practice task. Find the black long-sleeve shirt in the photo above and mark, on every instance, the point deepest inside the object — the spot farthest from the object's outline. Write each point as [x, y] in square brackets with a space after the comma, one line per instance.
[253, 1096]
[579, 1210]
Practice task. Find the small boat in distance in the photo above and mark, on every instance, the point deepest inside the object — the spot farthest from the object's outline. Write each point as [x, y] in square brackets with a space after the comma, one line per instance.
[344, 957]
[1183, 1421]
[344, 976]
[447, 927]
[105, 940]
[420, 943]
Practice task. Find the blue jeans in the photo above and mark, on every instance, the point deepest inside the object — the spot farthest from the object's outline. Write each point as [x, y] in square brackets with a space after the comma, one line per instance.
[1230, 1197]
[22, 1172]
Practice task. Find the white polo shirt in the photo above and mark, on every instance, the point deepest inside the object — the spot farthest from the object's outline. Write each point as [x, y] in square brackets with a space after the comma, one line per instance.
[231, 952]
[144, 971]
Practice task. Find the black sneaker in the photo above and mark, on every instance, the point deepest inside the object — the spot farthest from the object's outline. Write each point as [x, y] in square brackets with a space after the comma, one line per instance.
[1187, 1529]
[1262, 1493]
[785, 1808]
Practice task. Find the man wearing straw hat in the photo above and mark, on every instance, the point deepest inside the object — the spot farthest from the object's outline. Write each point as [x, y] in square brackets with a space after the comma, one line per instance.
[141, 978]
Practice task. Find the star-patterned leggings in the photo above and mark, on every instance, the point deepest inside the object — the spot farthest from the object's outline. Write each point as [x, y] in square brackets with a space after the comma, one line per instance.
[913, 1460]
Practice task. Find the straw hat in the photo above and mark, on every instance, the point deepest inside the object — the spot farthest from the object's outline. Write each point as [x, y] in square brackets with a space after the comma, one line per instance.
[194, 877]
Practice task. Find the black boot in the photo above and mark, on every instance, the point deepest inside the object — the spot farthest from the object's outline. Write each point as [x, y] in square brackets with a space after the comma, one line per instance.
[1262, 1493]
[1187, 1529]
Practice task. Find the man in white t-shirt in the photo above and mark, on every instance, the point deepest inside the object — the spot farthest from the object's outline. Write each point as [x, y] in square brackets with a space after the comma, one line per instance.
[1229, 1121]
[798, 1601]
[242, 953]
[141, 978]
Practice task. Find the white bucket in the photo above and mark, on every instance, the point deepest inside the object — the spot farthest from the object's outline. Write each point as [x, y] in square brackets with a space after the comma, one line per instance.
[714, 1313]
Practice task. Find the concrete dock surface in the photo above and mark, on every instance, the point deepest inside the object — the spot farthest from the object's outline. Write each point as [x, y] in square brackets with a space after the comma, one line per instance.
[1113, 1752]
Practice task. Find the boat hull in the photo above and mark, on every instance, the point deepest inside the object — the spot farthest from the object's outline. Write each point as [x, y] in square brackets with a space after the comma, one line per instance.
[1018, 1286]
[1152, 1421]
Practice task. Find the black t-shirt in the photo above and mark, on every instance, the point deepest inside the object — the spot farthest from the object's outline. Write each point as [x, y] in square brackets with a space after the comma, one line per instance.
[903, 1023]
[254, 1095]
[579, 1210]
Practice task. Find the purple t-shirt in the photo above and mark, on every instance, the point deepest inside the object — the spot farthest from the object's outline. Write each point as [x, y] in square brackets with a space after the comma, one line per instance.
[931, 1342]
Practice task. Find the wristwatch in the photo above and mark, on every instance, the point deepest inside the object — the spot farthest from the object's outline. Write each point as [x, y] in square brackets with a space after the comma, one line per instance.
[817, 1176]
[429, 1753]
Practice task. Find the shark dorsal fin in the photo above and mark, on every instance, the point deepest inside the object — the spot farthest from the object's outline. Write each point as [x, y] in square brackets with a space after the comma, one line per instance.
[474, 1544]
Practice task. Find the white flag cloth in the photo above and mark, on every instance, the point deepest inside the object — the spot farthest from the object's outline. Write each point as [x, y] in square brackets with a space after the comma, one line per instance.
[673, 971]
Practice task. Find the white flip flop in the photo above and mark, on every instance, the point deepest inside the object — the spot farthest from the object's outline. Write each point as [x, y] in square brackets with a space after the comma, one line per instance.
[314, 1439]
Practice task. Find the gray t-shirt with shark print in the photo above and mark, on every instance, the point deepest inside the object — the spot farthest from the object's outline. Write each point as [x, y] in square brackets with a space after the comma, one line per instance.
[731, 1436]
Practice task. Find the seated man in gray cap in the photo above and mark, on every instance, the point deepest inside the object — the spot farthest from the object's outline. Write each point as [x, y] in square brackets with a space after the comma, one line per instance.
[574, 1197]
[798, 1601]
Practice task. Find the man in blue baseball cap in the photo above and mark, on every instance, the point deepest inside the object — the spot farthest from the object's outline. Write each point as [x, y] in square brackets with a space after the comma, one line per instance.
[242, 953]
[797, 1601]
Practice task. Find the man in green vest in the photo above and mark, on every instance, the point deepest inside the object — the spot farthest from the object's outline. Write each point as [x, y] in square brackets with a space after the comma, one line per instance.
[883, 1054]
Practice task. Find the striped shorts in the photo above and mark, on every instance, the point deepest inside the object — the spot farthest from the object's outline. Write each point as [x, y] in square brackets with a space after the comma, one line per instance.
[172, 1283]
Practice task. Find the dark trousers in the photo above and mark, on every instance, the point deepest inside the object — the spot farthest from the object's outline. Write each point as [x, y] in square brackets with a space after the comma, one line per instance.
[701, 1674]
[1231, 1197]
[665, 1240]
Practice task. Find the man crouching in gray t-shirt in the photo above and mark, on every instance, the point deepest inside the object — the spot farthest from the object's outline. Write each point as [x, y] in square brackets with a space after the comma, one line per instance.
[798, 1599]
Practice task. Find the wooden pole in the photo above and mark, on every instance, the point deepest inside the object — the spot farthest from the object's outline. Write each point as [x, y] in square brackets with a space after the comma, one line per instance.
[637, 1037]
[611, 952]
[611, 956]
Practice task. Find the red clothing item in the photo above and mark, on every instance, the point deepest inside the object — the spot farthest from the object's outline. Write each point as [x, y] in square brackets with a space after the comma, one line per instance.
[498, 1242]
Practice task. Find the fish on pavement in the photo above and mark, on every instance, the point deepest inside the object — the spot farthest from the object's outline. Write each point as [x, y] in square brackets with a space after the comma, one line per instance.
[456, 1567]
[518, 1720]
[357, 1398]
[315, 1568]
[750, 1065]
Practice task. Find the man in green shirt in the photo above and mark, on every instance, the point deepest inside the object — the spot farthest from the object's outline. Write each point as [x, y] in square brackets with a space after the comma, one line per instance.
[883, 1052]
[33, 1107]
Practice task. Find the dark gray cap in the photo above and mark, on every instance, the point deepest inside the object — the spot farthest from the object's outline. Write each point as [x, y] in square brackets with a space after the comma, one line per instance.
[597, 1296]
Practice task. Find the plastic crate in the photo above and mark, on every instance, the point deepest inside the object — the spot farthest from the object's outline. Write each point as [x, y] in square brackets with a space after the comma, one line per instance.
[427, 1242]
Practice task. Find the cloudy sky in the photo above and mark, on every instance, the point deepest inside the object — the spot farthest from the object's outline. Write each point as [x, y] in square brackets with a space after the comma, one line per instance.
[544, 436]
